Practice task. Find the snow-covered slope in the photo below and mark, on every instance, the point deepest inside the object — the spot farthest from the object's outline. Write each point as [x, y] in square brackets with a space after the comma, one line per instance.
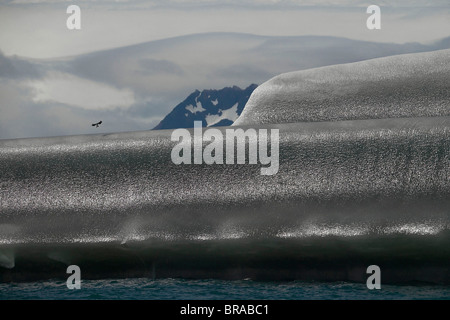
[410, 85]
[212, 107]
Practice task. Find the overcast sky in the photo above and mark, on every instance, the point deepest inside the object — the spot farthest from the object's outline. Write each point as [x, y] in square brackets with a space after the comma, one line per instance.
[132, 89]
[37, 28]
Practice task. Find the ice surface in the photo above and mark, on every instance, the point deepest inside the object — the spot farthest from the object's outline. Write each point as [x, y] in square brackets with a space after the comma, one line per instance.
[347, 193]
[410, 85]
[363, 177]
[370, 175]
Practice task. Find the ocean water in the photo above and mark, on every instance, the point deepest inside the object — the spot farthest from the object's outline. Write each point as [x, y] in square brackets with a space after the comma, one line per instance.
[182, 289]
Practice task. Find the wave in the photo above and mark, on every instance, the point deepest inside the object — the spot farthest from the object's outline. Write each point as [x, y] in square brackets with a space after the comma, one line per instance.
[347, 194]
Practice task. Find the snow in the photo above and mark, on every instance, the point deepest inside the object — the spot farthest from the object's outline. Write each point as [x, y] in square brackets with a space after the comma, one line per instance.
[230, 114]
[197, 108]
[409, 85]
[215, 102]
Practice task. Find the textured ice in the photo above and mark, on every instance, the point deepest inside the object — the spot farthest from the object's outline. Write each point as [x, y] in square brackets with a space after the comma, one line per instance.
[376, 174]
[410, 85]
[364, 177]
[347, 193]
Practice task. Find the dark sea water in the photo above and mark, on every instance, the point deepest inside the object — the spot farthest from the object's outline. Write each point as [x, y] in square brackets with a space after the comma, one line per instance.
[176, 289]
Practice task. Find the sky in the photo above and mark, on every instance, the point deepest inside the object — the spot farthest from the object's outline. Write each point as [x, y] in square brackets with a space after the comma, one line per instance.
[50, 85]
[37, 29]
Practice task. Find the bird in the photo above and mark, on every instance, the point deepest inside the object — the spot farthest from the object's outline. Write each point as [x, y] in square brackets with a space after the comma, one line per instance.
[97, 124]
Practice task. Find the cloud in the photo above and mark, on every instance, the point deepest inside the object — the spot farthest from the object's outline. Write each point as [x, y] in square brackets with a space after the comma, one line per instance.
[22, 117]
[242, 71]
[39, 31]
[16, 68]
[134, 87]
[74, 91]
[157, 67]
[247, 3]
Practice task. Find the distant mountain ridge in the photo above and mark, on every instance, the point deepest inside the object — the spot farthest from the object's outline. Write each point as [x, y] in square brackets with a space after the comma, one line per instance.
[134, 87]
[213, 107]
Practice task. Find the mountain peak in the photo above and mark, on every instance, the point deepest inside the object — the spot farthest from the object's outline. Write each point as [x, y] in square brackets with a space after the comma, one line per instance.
[213, 107]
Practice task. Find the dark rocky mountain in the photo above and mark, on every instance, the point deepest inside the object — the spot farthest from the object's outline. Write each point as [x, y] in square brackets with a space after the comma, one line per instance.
[213, 107]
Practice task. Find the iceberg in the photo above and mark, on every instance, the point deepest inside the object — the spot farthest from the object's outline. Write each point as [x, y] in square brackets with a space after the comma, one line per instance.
[363, 179]
[409, 85]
